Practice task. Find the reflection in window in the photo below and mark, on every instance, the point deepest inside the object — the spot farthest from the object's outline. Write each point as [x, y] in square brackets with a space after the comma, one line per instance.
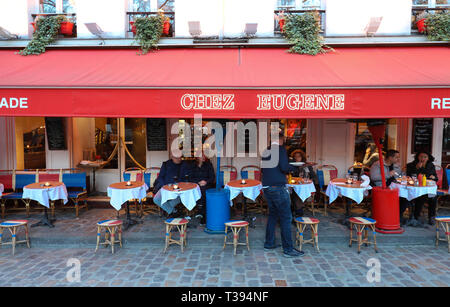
[446, 136]
[420, 2]
[30, 142]
[55, 6]
[141, 5]
[106, 139]
[295, 134]
[135, 141]
[166, 5]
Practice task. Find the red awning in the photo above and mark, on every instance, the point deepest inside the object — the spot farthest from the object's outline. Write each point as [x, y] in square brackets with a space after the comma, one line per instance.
[228, 83]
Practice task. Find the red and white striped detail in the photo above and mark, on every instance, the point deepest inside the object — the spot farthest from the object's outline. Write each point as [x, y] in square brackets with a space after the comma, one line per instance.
[14, 223]
[109, 223]
[307, 220]
[177, 221]
[362, 220]
[443, 218]
[237, 223]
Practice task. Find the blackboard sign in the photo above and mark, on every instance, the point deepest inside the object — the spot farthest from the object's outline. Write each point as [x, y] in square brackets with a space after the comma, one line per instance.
[422, 136]
[56, 137]
[156, 134]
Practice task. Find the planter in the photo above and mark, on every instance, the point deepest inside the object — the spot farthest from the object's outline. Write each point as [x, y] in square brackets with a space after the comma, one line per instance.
[66, 28]
[34, 26]
[421, 25]
[281, 23]
[133, 27]
[166, 27]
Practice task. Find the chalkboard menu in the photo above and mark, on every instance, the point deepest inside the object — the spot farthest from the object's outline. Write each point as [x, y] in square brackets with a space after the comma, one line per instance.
[56, 137]
[156, 134]
[422, 136]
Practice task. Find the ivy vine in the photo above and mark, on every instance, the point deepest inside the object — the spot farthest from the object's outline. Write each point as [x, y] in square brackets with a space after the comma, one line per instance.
[303, 32]
[438, 26]
[148, 32]
[47, 29]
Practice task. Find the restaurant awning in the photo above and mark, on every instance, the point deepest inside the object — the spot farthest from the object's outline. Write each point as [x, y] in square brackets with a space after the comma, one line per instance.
[377, 82]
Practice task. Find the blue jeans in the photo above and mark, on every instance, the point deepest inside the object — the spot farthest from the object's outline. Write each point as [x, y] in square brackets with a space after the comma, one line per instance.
[279, 203]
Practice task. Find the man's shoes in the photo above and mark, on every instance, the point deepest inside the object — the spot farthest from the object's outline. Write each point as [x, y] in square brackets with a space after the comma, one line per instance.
[294, 253]
[268, 249]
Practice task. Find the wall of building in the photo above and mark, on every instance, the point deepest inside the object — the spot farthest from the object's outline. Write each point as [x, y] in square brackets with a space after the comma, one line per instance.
[15, 16]
[350, 17]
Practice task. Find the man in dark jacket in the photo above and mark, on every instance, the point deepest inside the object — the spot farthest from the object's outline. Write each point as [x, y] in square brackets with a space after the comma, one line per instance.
[170, 172]
[274, 167]
[423, 164]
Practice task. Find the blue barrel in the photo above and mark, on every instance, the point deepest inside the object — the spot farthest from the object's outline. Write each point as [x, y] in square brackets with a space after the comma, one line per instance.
[217, 210]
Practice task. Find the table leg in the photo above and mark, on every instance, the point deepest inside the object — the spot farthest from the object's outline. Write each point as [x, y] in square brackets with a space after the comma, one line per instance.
[45, 221]
[250, 219]
[129, 221]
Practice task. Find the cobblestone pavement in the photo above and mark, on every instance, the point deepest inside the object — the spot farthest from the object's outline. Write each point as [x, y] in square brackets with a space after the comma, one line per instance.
[210, 266]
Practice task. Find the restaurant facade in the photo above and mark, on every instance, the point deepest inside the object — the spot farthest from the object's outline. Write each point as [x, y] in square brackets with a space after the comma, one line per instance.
[70, 105]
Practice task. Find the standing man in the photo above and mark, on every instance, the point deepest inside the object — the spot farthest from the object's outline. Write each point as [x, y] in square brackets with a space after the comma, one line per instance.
[275, 166]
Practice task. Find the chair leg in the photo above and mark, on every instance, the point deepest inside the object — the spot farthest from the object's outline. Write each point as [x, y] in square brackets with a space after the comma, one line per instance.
[13, 233]
[374, 238]
[246, 237]
[120, 234]
[351, 234]
[3, 209]
[98, 238]
[167, 237]
[76, 208]
[235, 236]
[437, 234]
[181, 229]
[359, 234]
[113, 235]
[302, 230]
[316, 236]
[52, 205]
[225, 237]
[27, 235]
[1, 235]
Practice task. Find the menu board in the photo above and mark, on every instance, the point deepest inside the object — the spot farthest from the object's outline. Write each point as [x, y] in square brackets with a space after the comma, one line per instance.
[156, 134]
[422, 135]
[56, 137]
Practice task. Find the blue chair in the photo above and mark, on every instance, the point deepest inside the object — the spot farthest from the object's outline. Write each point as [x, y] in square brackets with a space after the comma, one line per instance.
[19, 181]
[325, 174]
[441, 193]
[150, 176]
[76, 189]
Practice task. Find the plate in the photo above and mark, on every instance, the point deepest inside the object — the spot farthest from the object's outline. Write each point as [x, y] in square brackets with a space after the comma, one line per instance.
[297, 163]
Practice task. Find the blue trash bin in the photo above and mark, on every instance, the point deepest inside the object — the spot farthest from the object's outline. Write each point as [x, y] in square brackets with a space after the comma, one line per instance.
[217, 210]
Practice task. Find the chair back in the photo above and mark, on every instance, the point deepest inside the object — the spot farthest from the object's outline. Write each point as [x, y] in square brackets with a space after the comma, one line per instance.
[49, 175]
[251, 172]
[74, 180]
[440, 175]
[6, 178]
[194, 28]
[133, 174]
[325, 174]
[226, 174]
[150, 176]
[22, 180]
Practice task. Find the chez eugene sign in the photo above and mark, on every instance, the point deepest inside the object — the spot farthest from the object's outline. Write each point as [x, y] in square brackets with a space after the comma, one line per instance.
[237, 103]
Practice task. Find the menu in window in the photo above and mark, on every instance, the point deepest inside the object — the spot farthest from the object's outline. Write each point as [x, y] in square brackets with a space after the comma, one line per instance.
[156, 134]
[422, 137]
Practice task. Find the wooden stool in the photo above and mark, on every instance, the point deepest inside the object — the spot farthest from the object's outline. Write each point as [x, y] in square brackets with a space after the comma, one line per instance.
[181, 225]
[112, 227]
[236, 227]
[360, 224]
[444, 221]
[302, 223]
[13, 226]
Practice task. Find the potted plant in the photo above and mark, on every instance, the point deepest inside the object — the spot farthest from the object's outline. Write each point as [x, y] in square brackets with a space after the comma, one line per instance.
[281, 18]
[166, 22]
[438, 26]
[46, 33]
[420, 23]
[66, 27]
[133, 27]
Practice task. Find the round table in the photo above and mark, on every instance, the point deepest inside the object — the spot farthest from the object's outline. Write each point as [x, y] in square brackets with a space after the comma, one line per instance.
[411, 192]
[339, 187]
[187, 193]
[44, 194]
[251, 190]
[121, 193]
[302, 189]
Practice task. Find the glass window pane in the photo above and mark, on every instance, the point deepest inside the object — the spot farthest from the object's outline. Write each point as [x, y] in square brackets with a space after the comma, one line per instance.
[30, 142]
[442, 2]
[420, 2]
[68, 6]
[295, 133]
[166, 5]
[141, 5]
[106, 139]
[446, 136]
[47, 6]
[135, 135]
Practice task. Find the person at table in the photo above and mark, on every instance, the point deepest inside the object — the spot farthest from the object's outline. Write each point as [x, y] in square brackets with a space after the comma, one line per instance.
[274, 168]
[201, 172]
[297, 204]
[170, 172]
[423, 164]
[371, 155]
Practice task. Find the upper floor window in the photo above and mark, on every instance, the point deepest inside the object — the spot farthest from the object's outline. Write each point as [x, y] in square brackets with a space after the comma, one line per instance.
[56, 6]
[146, 5]
[166, 5]
[141, 5]
[431, 3]
[298, 4]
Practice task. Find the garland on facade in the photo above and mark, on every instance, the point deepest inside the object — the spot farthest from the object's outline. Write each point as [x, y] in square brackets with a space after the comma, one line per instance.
[148, 31]
[46, 31]
[438, 26]
[303, 32]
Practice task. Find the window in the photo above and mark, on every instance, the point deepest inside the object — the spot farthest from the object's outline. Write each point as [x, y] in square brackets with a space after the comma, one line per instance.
[30, 142]
[431, 3]
[166, 5]
[135, 135]
[106, 138]
[446, 136]
[141, 5]
[295, 133]
[56, 6]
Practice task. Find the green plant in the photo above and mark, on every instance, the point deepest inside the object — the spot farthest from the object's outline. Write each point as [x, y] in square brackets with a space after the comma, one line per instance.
[438, 26]
[148, 31]
[303, 32]
[46, 31]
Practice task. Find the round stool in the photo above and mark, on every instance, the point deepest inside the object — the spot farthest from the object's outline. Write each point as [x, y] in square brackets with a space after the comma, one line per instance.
[13, 226]
[111, 228]
[181, 225]
[302, 223]
[362, 224]
[236, 227]
[444, 221]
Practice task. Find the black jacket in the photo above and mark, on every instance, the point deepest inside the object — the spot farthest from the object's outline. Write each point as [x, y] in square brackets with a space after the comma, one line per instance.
[197, 174]
[276, 176]
[428, 170]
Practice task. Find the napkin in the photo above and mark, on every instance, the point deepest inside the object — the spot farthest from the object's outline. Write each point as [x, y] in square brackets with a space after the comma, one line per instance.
[366, 181]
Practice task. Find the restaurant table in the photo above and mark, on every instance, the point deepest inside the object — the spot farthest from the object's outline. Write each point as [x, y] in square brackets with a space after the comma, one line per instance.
[121, 193]
[44, 194]
[302, 189]
[251, 190]
[187, 193]
[410, 192]
[340, 187]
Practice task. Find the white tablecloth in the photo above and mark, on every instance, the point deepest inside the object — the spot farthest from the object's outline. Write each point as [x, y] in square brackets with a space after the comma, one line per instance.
[357, 194]
[44, 195]
[303, 191]
[411, 192]
[120, 196]
[251, 192]
[187, 197]
[1, 189]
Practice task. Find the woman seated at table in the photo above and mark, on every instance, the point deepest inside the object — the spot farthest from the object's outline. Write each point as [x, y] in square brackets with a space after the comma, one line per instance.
[301, 171]
[423, 164]
[201, 172]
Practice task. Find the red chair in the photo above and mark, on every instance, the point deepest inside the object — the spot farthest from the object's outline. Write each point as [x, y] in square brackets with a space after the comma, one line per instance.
[227, 173]
[442, 193]
[325, 173]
